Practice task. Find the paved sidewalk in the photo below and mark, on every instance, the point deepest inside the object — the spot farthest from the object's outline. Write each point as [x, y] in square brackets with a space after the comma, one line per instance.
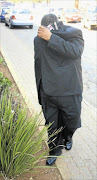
[82, 163]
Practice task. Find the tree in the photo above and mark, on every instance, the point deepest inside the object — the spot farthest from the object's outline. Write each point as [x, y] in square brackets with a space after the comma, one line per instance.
[76, 3]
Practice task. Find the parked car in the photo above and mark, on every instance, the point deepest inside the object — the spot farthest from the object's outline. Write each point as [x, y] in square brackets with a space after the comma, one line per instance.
[72, 15]
[90, 18]
[19, 17]
[3, 12]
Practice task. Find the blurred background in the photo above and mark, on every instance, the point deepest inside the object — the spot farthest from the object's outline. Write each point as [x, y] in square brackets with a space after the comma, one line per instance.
[66, 11]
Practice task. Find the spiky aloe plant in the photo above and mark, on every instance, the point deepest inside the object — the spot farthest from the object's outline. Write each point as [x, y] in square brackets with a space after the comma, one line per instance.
[20, 141]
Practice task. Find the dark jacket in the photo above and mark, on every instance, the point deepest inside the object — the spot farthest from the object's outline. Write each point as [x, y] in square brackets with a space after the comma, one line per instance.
[58, 62]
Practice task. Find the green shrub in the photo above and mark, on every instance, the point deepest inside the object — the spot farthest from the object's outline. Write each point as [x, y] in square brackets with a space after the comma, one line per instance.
[4, 82]
[20, 140]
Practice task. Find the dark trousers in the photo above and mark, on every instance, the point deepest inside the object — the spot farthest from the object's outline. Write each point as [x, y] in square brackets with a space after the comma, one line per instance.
[61, 112]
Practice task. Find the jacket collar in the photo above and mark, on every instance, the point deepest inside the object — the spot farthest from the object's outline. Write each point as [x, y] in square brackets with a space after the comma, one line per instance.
[60, 24]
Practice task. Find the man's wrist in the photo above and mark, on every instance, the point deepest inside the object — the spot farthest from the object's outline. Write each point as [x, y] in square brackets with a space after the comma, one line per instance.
[49, 36]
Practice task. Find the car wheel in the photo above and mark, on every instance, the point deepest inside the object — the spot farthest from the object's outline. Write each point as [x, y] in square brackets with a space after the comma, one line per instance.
[31, 27]
[10, 26]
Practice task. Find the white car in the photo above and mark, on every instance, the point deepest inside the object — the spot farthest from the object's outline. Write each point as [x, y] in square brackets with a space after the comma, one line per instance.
[19, 17]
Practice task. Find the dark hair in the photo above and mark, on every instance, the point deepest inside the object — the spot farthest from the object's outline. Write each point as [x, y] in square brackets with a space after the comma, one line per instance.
[49, 19]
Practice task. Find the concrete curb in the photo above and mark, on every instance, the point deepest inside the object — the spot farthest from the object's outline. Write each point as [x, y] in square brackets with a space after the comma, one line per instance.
[34, 108]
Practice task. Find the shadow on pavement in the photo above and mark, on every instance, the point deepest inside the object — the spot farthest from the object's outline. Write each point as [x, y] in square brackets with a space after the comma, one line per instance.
[18, 27]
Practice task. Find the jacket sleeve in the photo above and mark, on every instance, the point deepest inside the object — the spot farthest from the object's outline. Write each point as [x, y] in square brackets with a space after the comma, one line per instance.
[72, 48]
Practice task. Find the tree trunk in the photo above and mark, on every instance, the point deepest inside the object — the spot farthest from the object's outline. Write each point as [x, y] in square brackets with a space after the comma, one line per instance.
[76, 4]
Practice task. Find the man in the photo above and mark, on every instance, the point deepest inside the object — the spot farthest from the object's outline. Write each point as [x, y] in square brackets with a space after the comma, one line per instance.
[58, 50]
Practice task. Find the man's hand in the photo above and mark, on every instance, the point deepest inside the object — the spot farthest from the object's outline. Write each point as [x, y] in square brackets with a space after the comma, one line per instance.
[44, 33]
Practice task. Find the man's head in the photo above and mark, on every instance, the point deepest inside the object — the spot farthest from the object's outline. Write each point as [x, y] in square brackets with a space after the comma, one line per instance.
[49, 19]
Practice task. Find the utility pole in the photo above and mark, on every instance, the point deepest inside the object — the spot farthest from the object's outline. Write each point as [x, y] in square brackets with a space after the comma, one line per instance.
[76, 4]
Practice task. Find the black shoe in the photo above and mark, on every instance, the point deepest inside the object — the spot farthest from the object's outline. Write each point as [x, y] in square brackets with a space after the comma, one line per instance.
[68, 145]
[51, 160]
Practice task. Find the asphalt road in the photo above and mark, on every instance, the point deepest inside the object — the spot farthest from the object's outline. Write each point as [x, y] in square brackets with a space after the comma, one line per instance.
[89, 57]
